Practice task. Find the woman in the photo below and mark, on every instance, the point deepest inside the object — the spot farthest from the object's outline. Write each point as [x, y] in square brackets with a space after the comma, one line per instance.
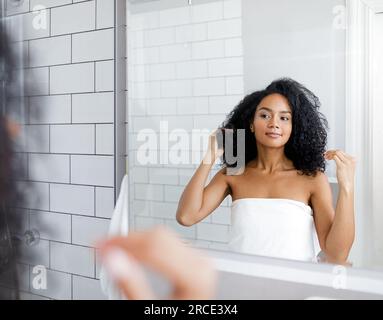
[282, 191]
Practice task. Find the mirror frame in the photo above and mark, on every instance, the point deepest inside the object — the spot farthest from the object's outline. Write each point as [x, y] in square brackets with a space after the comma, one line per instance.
[359, 118]
[120, 101]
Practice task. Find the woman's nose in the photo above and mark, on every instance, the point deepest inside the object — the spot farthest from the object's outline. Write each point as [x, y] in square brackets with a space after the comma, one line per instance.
[273, 123]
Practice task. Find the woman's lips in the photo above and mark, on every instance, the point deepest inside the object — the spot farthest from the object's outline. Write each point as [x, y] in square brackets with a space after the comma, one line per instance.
[273, 135]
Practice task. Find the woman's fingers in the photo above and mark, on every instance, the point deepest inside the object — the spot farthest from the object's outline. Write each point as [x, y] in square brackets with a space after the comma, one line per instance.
[341, 155]
[348, 158]
[337, 157]
[127, 274]
[345, 167]
[337, 160]
[330, 153]
[344, 157]
[191, 275]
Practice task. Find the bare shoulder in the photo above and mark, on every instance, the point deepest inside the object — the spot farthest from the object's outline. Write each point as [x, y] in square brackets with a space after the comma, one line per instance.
[228, 172]
[221, 174]
[229, 175]
[318, 183]
[320, 178]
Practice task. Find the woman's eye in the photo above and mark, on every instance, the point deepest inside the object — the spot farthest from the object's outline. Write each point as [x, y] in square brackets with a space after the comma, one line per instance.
[285, 119]
[264, 115]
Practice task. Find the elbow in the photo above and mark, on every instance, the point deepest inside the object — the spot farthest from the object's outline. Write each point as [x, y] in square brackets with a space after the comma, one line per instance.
[183, 220]
[338, 253]
[339, 257]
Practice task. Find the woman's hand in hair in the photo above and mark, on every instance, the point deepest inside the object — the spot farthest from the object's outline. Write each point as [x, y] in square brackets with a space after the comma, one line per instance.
[191, 275]
[345, 168]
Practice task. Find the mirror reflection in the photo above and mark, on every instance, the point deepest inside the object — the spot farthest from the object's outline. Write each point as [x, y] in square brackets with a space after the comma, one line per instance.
[281, 184]
[251, 128]
[237, 127]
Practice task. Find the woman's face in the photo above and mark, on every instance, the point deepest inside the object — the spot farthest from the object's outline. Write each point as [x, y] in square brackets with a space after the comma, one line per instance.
[272, 123]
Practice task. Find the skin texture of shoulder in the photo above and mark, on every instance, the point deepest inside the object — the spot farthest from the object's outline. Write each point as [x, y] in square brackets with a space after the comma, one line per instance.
[318, 184]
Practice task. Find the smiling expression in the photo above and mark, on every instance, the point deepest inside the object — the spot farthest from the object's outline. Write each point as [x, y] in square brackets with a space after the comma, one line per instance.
[272, 121]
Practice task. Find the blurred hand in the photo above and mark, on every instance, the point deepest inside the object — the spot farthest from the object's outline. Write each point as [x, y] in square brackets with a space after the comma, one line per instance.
[345, 167]
[191, 275]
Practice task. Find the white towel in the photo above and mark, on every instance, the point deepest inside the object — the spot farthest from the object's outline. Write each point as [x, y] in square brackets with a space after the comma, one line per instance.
[119, 226]
[280, 228]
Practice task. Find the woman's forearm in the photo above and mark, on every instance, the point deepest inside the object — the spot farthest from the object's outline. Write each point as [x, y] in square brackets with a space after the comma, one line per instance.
[192, 197]
[342, 233]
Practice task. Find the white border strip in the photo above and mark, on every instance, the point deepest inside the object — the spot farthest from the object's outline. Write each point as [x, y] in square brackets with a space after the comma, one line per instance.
[325, 275]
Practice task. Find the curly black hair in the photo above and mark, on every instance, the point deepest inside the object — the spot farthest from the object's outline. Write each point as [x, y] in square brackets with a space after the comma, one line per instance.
[308, 138]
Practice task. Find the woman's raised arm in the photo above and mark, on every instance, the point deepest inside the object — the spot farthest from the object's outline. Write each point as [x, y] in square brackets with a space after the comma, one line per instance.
[198, 201]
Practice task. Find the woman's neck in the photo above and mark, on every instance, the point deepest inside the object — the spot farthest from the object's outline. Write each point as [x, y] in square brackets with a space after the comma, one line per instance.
[271, 160]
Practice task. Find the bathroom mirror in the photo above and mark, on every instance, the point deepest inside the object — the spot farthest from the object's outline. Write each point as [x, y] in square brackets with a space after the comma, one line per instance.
[190, 62]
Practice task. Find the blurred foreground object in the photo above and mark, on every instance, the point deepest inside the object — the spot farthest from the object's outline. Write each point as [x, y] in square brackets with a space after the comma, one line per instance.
[189, 272]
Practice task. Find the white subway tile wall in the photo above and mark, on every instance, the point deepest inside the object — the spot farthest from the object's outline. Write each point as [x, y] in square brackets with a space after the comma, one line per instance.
[87, 289]
[70, 144]
[185, 66]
